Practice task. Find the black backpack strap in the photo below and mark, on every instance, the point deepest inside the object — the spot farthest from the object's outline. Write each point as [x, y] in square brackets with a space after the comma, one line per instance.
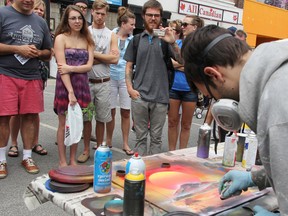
[168, 62]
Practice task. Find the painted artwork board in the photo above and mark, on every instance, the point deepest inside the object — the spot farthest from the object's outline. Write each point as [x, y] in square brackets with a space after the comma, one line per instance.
[189, 184]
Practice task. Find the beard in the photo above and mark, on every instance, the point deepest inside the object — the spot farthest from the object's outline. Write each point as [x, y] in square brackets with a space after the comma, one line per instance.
[148, 27]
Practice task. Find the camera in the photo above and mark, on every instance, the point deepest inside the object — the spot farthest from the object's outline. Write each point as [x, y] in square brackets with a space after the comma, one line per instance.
[159, 32]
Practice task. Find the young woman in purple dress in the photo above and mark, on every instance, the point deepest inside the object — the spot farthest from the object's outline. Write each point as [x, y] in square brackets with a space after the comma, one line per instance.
[74, 55]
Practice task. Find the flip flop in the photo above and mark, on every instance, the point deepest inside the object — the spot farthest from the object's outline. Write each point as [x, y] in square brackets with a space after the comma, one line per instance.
[128, 152]
[40, 152]
[13, 153]
[83, 158]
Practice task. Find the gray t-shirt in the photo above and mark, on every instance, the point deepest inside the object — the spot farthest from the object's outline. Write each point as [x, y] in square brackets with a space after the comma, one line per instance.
[102, 39]
[20, 29]
[151, 77]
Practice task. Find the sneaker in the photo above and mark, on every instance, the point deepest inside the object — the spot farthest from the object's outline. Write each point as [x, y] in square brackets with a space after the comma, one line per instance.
[3, 170]
[30, 166]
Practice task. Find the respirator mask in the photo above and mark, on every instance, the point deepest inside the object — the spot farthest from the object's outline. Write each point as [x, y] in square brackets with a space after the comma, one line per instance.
[225, 113]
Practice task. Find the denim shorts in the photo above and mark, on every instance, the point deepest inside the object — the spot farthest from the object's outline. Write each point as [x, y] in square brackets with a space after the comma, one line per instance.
[188, 96]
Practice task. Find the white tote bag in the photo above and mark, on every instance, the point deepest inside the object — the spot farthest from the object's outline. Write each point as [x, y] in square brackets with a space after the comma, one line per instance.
[73, 125]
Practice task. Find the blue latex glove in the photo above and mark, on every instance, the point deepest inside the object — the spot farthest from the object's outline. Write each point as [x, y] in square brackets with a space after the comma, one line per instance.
[238, 180]
[260, 211]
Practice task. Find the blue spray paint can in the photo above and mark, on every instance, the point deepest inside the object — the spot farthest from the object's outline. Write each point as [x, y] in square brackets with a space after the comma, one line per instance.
[102, 169]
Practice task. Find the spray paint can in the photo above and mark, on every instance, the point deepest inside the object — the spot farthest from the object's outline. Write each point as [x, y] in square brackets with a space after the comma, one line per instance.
[136, 162]
[250, 151]
[240, 146]
[102, 169]
[203, 143]
[229, 150]
[134, 193]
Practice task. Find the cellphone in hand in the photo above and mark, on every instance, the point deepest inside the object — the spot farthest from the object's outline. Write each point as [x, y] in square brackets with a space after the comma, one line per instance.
[159, 32]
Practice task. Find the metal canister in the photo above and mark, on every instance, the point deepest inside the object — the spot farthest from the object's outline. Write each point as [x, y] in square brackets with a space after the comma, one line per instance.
[134, 193]
[102, 169]
[250, 151]
[229, 151]
[203, 143]
[136, 162]
[240, 146]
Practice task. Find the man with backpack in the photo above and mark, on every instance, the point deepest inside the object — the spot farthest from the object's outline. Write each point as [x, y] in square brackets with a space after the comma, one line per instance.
[148, 86]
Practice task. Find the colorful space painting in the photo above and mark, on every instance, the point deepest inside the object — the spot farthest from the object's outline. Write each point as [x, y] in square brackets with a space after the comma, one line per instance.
[188, 184]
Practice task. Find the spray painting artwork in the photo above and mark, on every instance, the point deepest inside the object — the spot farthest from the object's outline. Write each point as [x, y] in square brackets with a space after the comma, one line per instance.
[188, 184]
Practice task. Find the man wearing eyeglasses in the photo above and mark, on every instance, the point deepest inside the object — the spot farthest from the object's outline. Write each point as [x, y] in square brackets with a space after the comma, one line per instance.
[83, 5]
[150, 89]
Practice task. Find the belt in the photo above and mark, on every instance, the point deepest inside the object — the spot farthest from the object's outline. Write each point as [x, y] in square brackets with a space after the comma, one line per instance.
[99, 80]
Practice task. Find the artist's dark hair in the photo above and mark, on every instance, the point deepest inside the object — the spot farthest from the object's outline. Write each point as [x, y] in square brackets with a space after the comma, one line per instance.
[123, 15]
[227, 52]
[64, 27]
[99, 4]
[152, 4]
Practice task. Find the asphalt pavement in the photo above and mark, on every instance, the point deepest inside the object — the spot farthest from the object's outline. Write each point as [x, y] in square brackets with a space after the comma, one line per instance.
[14, 185]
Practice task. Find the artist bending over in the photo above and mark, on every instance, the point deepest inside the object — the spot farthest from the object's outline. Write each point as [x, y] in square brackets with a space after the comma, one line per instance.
[222, 66]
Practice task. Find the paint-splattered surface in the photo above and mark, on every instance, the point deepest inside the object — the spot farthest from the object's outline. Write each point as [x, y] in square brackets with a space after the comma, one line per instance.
[189, 184]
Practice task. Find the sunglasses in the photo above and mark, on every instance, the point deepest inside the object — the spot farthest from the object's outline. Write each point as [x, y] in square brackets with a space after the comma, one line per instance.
[185, 24]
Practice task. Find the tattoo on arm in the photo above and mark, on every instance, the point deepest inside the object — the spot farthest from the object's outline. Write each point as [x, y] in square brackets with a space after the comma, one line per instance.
[129, 76]
[177, 53]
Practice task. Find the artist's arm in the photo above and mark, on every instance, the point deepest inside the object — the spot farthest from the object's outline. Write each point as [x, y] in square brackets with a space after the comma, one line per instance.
[64, 68]
[128, 77]
[110, 58]
[59, 50]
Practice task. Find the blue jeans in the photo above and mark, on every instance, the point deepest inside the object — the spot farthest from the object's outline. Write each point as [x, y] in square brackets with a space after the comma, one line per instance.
[143, 112]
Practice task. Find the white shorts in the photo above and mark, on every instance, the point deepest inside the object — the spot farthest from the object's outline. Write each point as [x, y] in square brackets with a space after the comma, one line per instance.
[119, 88]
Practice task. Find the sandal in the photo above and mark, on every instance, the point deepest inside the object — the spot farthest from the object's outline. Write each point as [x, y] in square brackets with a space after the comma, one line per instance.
[12, 152]
[128, 152]
[42, 151]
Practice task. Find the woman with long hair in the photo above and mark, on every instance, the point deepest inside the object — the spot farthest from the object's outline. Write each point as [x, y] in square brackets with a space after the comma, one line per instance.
[73, 49]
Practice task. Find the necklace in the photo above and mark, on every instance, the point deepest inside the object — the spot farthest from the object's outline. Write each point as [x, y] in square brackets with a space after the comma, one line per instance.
[99, 46]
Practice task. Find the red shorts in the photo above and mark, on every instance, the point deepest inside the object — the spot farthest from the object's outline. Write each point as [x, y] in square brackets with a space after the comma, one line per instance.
[18, 96]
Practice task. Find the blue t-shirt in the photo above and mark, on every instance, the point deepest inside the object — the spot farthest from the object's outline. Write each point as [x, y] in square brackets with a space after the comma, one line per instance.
[20, 29]
[117, 71]
[180, 82]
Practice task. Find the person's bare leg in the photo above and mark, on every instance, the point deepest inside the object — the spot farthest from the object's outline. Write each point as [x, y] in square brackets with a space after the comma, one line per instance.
[87, 130]
[209, 117]
[60, 141]
[27, 129]
[100, 130]
[173, 121]
[110, 128]
[14, 129]
[73, 150]
[186, 121]
[36, 139]
[125, 126]
[4, 130]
